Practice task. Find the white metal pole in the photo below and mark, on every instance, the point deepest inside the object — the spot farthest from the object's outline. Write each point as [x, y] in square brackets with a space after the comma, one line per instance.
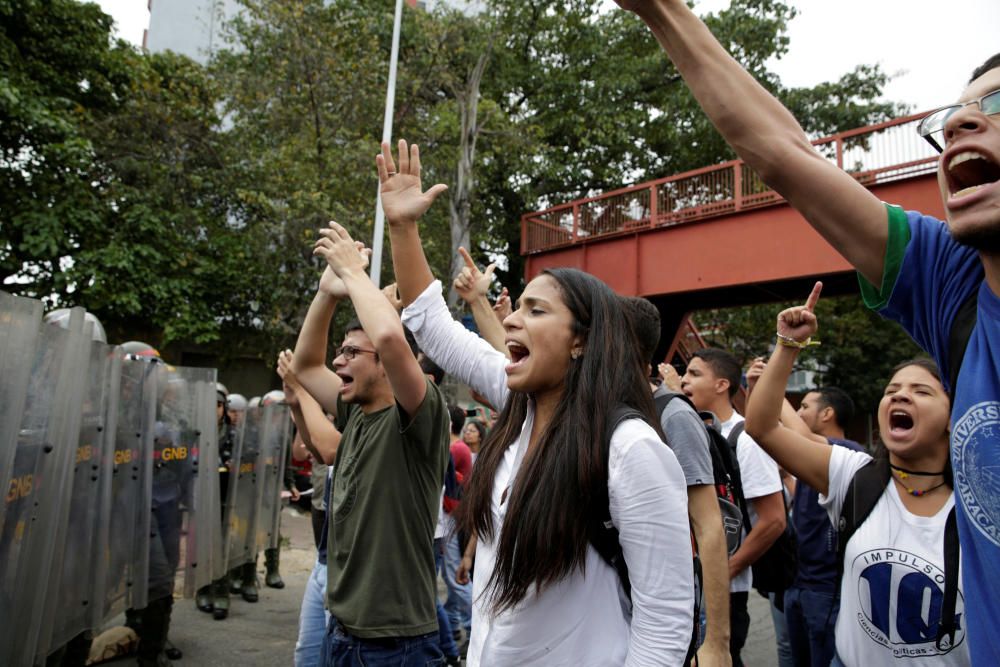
[390, 99]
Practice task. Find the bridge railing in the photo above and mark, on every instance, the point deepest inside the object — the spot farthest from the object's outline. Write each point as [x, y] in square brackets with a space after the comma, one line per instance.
[874, 155]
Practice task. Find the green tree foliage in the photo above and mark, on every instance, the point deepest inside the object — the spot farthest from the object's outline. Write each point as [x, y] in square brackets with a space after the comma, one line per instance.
[181, 203]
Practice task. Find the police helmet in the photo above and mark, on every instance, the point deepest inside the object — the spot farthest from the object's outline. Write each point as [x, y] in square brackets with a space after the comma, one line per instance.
[60, 318]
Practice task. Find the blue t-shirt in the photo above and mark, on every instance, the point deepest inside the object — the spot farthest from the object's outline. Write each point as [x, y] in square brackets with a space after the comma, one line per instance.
[816, 536]
[927, 278]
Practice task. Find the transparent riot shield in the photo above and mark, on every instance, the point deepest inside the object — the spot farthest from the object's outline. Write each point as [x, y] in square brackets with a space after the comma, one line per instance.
[274, 441]
[45, 449]
[185, 485]
[230, 455]
[19, 322]
[245, 480]
[123, 529]
[74, 590]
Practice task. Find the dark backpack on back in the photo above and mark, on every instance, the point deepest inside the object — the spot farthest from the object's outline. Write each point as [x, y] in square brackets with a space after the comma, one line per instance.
[863, 494]
[724, 471]
[775, 570]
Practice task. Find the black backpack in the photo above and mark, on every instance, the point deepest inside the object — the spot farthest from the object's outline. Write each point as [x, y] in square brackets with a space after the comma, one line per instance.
[725, 472]
[775, 570]
[863, 493]
[604, 536]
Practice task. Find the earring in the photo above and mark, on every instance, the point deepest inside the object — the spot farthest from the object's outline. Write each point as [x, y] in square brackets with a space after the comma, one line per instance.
[575, 354]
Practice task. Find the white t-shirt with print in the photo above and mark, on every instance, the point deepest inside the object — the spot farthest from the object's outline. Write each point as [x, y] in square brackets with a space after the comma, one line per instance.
[760, 476]
[893, 585]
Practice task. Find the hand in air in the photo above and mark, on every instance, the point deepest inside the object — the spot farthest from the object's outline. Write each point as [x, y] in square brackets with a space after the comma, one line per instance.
[502, 307]
[754, 372]
[799, 323]
[392, 296]
[402, 199]
[341, 252]
[668, 374]
[472, 283]
[331, 284]
[289, 381]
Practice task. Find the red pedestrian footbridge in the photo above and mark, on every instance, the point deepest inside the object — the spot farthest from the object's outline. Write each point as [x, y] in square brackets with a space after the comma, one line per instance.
[718, 236]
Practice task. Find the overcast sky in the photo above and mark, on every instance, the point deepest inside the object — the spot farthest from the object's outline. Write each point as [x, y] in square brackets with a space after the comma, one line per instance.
[933, 44]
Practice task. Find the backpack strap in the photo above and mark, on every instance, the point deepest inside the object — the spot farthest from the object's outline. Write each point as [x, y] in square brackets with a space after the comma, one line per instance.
[603, 534]
[733, 440]
[866, 487]
[948, 624]
[959, 335]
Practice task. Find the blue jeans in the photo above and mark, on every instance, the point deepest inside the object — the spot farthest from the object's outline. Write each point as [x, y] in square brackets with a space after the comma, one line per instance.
[781, 635]
[343, 650]
[459, 602]
[445, 640]
[313, 619]
[812, 617]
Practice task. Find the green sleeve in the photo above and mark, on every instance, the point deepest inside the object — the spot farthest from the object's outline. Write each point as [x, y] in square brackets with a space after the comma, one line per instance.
[876, 298]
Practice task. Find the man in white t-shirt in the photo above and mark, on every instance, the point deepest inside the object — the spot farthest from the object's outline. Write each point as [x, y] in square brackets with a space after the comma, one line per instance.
[711, 380]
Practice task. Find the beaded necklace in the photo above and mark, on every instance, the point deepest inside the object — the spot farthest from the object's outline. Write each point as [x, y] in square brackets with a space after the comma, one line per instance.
[903, 473]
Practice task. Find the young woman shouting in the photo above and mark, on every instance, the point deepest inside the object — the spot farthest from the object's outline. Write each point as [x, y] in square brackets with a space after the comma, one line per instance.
[894, 573]
[542, 480]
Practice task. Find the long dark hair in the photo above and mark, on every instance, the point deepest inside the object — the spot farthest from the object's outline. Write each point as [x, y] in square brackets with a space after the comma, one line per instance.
[562, 486]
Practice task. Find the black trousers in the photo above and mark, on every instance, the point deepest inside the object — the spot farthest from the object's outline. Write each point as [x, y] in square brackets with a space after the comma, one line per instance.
[739, 625]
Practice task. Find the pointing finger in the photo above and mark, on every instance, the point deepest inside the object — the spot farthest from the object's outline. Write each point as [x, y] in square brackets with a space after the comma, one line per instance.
[467, 257]
[814, 296]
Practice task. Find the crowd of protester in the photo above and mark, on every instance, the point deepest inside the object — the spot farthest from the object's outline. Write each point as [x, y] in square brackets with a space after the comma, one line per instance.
[616, 514]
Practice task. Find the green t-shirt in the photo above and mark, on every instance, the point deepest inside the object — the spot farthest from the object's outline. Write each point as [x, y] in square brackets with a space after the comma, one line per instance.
[383, 510]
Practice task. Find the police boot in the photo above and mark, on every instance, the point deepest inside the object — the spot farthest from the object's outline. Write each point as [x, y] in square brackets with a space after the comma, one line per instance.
[153, 633]
[272, 579]
[203, 599]
[249, 589]
[221, 590]
[236, 580]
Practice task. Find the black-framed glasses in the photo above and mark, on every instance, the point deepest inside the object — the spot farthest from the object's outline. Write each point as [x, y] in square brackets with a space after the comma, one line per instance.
[350, 351]
[931, 127]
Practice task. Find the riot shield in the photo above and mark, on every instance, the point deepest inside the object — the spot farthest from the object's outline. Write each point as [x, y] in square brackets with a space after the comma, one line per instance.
[74, 590]
[36, 500]
[229, 465]
[185, 484]
[19, 322]
[274, 441]
[123, 534]
[245, 482]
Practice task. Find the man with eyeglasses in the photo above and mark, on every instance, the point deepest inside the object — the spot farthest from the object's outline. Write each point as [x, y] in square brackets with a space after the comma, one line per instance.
[912, 268]
[389, 469]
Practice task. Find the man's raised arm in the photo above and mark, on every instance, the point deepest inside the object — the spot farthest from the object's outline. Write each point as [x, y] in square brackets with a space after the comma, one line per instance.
[377, 316]
[309, 361]
[768, 138]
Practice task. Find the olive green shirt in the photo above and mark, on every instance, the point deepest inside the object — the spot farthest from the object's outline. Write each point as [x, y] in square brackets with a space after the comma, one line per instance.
[383, 510]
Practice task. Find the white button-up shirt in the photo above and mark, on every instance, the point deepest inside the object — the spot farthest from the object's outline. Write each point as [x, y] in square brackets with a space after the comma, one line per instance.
[583, 619]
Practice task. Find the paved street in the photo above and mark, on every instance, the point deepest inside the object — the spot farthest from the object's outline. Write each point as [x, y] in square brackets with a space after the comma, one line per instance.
[263, 634]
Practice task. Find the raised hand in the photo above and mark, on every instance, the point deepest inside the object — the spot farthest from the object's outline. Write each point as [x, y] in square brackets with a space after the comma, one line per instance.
[342, 254]
[402, 199]
[331, 284]
[502, 307]
[754, 372]
[668, 374]
[799, 323]
[392, 296]
[472, 283]
[289, 381]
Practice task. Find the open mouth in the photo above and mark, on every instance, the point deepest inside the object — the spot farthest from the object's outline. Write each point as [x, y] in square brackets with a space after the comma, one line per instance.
[970, 171]
[518, 353]
[346, 380]
[900, 422]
